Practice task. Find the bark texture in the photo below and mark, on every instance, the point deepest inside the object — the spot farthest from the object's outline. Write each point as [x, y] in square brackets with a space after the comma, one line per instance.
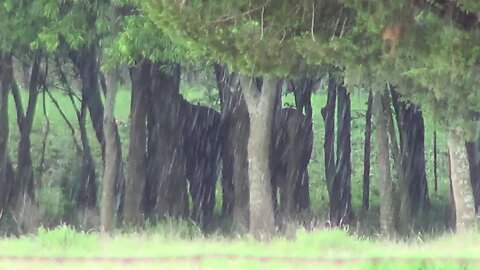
[235, 130]
[6, 76]
[112, 151]
[166, 189]
[135, 185]
[328, 114]
[366, 157]
[461, 185]
[385, 186]
[260, 103]
[341, 211]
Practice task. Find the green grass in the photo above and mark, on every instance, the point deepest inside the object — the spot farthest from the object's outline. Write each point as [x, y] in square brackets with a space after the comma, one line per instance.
[165, 242]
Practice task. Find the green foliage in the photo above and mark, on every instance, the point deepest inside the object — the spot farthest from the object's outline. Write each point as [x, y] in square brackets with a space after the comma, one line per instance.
[260, 38]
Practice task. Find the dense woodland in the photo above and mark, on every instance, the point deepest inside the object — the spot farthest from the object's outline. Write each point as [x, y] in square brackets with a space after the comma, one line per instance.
[247, 150]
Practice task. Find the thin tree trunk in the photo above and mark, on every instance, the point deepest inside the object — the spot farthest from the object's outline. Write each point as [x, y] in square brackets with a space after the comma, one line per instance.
[404, 202]
[341, 212]
[366, 157]
[138, 138]
[6, 76]
[25, 175]
[85, 197]
[260, 104]
[385, 186]
[461, 185]
[86, 63]
[112, 164]
[225, 86]
[328, 114]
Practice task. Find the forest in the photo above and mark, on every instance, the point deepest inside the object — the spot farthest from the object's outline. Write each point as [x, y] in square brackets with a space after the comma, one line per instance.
[240, 118]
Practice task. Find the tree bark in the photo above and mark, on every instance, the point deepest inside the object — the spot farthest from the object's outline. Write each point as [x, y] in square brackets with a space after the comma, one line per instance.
[137, 151]
[412, 146]
[112, 150]
[341, 211]
[25, 177]
[6, 76]
[235, 130]
[260, 105]
[404, 201]
[328, 114]
[366, 157]
[167, 163]
[385, 187]
[461, 185]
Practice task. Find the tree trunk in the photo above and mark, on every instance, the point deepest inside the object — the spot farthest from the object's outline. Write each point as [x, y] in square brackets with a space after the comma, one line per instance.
[137, 151]
[167, 163]
[239, 141]
[303, 96]
[341, 211]
[328, 114]
[366, 157]
[385, 187]
[6, 76]
[112, 163]
[473, 151]
[25, 176]
[85, 196]
[226, 85]
[235, 133]
[260, 103]
[461, 185]
[412, 146]
[404, 205]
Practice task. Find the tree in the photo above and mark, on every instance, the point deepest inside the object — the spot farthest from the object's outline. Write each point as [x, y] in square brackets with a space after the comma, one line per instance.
[415, 53]
[211, 30]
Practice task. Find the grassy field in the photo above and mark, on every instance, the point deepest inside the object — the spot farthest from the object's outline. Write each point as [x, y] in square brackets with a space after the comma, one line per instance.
[323, 249]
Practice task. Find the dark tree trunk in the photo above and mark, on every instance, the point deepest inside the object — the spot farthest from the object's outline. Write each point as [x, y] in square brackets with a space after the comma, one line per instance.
[226, 85]
[412, 146]
[86, 63]
[6, 79]
[473, 151]
[140, 78]
[328, 114]
[260, 103]
[166, 160]
[235, 132]
[366, 157]
[303, 96]
[341, 205]
[385, 187]
[149, 199]
[25, 177]
[85, 196]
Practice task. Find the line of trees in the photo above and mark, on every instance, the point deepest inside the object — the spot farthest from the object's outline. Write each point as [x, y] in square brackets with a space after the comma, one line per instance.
[407, 56]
